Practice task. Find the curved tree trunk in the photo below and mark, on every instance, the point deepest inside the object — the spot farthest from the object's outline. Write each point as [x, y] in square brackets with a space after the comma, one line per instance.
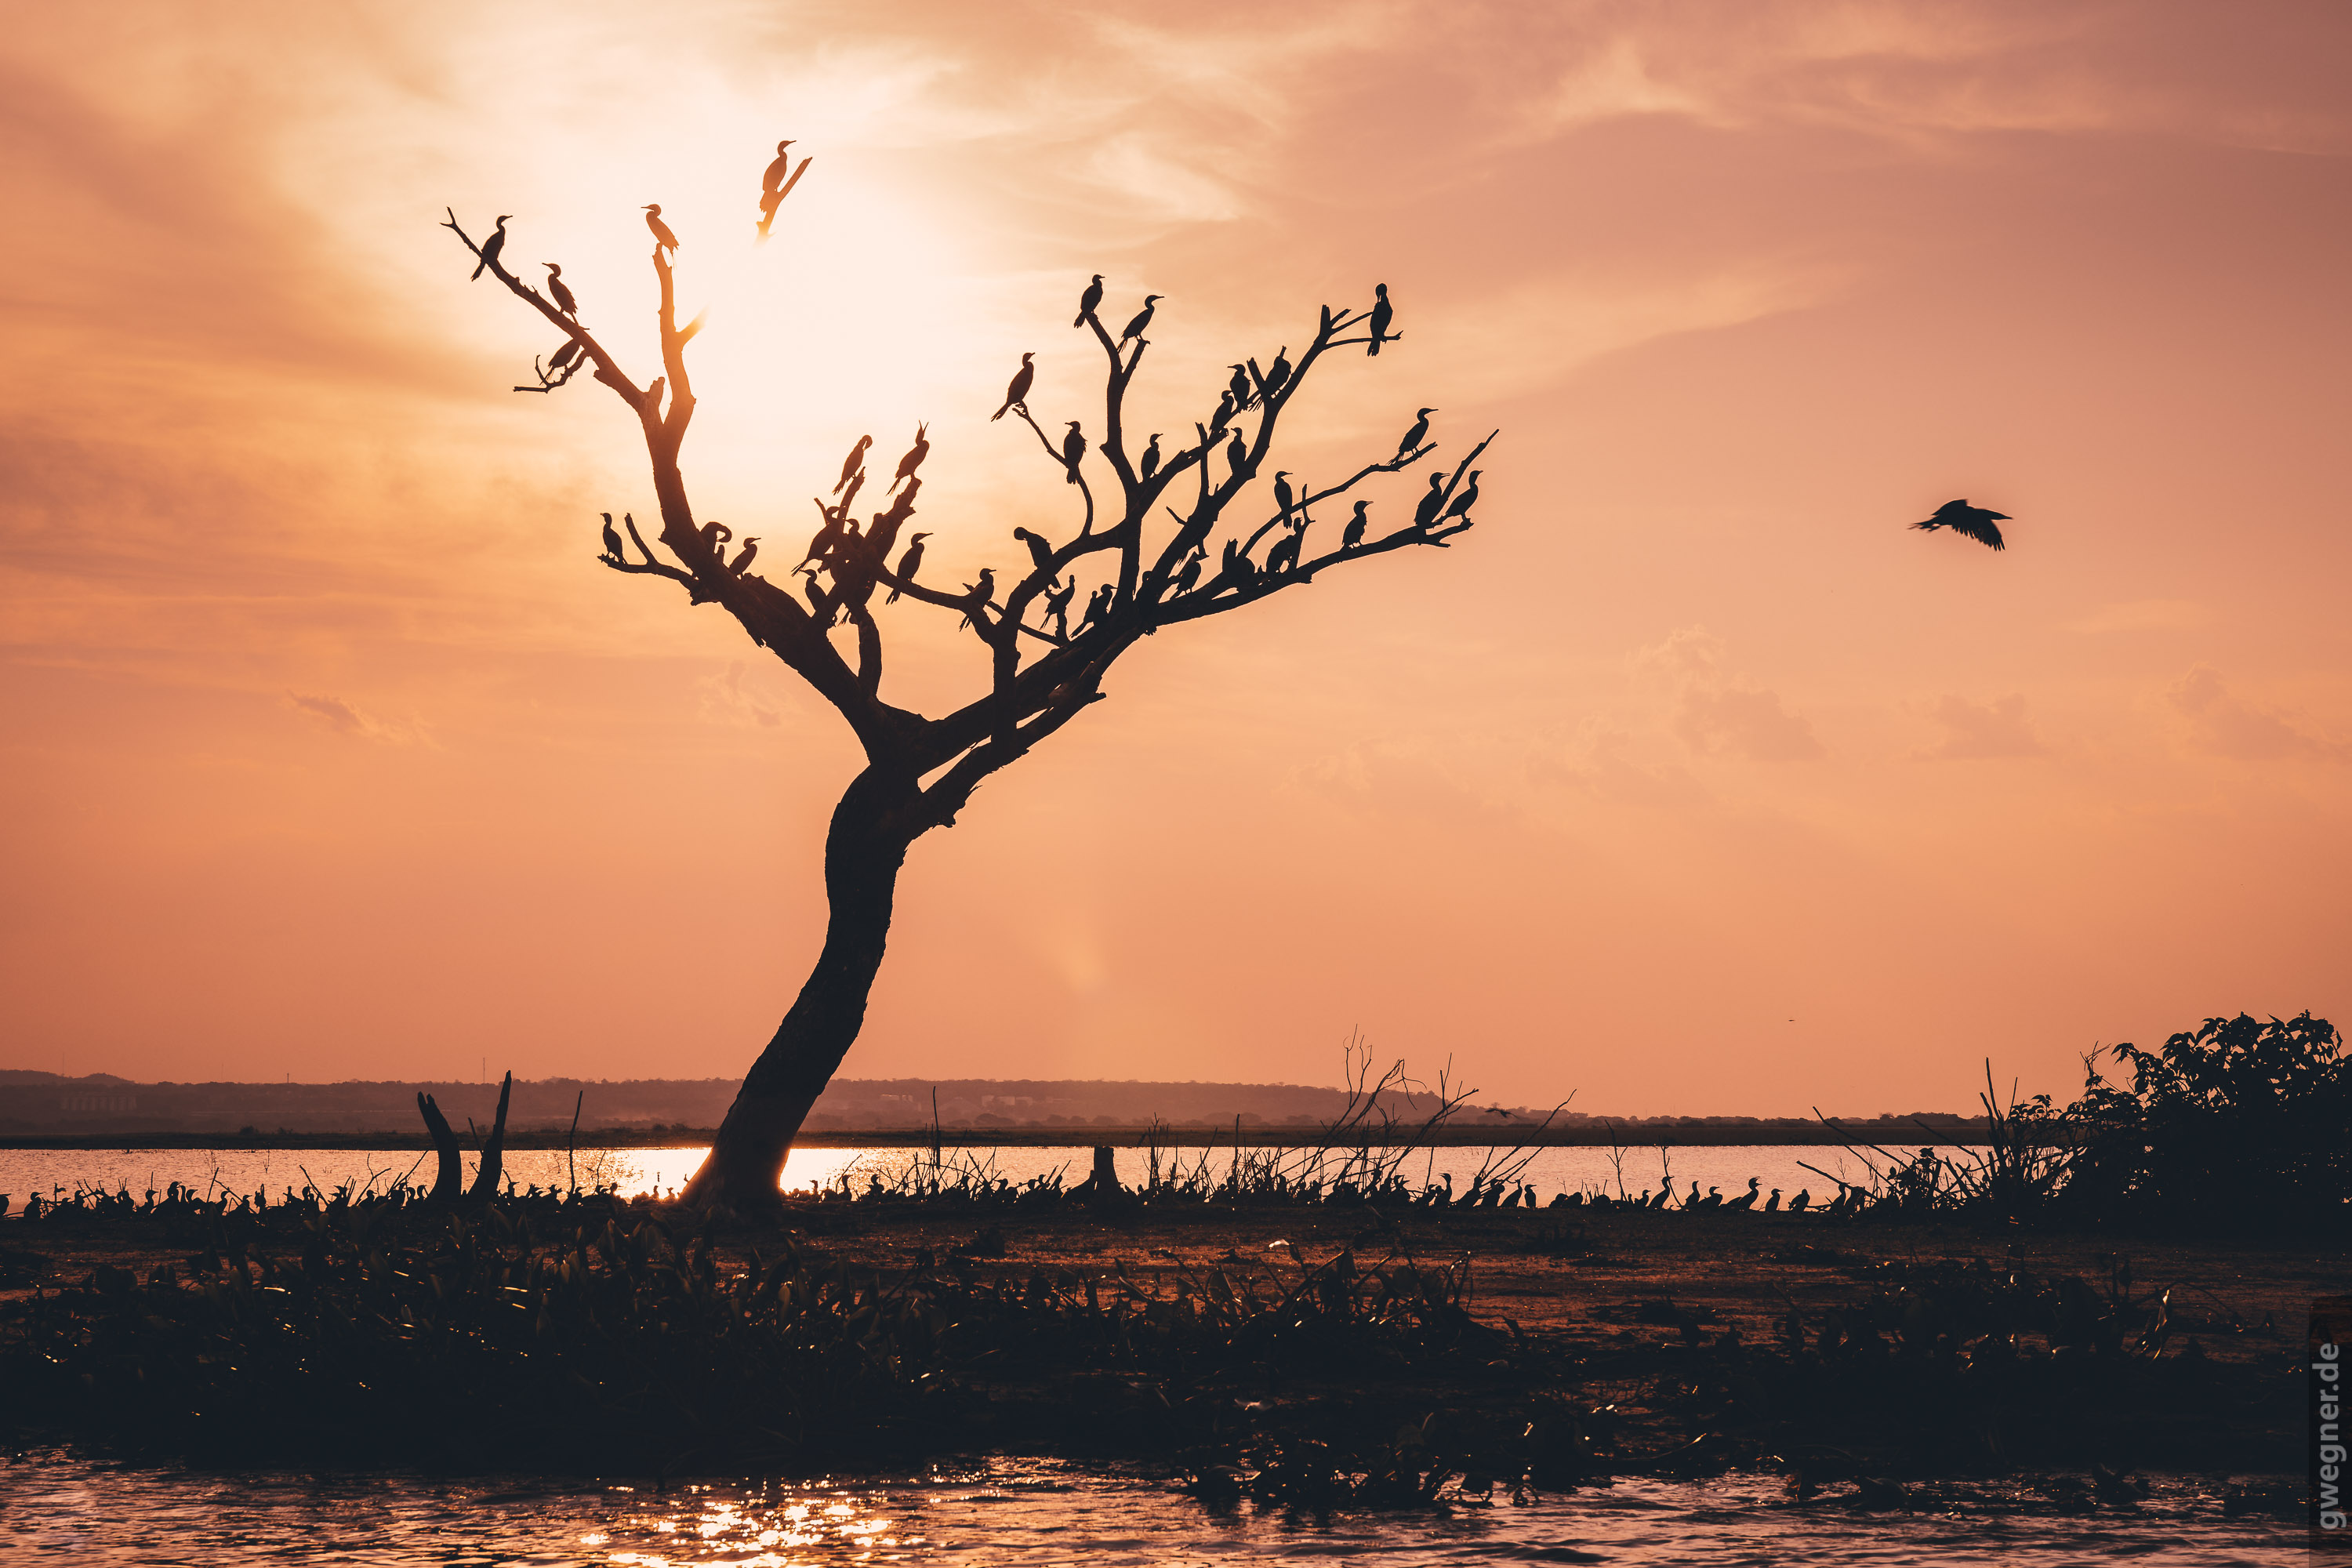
[863, 849]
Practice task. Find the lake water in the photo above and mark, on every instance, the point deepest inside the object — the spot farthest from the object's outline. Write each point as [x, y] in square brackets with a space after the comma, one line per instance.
[24, 1172]
[58, 1508]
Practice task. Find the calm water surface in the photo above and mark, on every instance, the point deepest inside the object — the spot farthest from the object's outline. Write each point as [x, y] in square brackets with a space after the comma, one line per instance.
[55, 1509]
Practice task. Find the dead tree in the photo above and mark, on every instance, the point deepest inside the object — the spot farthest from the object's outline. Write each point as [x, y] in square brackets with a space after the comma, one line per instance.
[1150, 574]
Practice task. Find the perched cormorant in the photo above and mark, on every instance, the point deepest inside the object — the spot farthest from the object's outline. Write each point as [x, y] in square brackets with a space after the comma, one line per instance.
[1074, 446]
[907, 563]
[1057, 604]
[1150, 463]
[1353, 534]
[1285, 554]
[491, 247]
[852, 463]
[662, 236]
[1099, 605]
[612, 540]
[1382, 314]
[1190, 573]
[1041, 552]
[1426, 512]
[1412, 442]
[1284, 499]
[982, 593]
[564, 355]
[1798, 1204]
[1746, 1200]
[1089, 300]
[1142, 320]
[1018, 392]
[1277, 375]
[1975, 523]
[558, 287]
[1225, 411]
[1772, 1203]
[770, 182]
[913, 459]
[1467, 499]
[1239, 387]
[751, 549]
[1238, 453]
[815, 594]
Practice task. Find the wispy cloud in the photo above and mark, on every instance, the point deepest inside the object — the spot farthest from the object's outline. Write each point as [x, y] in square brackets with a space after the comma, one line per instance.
[2222, 724]
[1717, 713]
[1980, 732]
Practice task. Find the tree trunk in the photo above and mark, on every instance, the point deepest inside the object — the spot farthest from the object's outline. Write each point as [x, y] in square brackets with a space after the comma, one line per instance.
[863, 849]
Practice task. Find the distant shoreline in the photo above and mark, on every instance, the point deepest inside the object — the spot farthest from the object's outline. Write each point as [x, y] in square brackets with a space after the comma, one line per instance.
[1583, 1135]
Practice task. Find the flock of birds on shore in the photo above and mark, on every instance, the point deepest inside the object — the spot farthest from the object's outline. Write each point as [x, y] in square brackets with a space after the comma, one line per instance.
[1483, 1193]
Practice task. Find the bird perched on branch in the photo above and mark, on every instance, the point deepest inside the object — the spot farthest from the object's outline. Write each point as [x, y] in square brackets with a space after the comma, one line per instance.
[490, 249]
[1237, 453]
[1149, 464]
[1277, 375]
[1426, 512]
[559, 290]
[774, 180]
[1239, 386]
[852, 463]
[1975, 523]
[663, 238]
[1190, 573]
[612, 540]
[751, 549]
[913, 459]
[1382, 314]
[774, 185]
[982, 593]
[1039, 553]
[1467, 499]
[1016, 391]
[1413, 437]
[1099, 605]
[1225, 410]
[1142, 321]
[1057, 604]
[1074, 446]
[1353, 534]
[1089, 300]
[909, 562]
[715, 537]
[562, 358]
[1283, 497]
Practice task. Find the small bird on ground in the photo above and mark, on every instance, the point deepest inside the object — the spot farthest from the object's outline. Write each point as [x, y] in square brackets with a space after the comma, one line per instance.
[908, 562]
[1016, 391]
[662, 236]
[1412, 442]
[1089, 300]
[556, 287]
[1143, 319]
[1975, 523]
[491, 247]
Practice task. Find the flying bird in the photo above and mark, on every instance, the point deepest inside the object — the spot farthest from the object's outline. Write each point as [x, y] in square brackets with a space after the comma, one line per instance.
[1016, 393]
[1382, 314]
[914, 458]
[663, 238]
[1089, 300]
[908, 562]
[855, 461]
[1975, 523]
[491, 247]
[1142, 321]
[612, 540]
[1074, 446]
[1413, 437]
[556, 286]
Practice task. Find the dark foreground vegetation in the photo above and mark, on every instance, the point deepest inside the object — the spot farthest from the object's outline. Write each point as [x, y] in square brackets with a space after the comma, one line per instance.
[1317, 1341]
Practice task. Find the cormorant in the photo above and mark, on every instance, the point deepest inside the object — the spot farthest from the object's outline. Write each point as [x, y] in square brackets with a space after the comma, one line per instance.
[564, 355]
[1225, 411]
[714, 535]
[822, 544]
[1772, 1203]
[663, 238]
[1074, 447]
[1798, 1204]
[1353, 534]
[1142, 321]
[1099, 605]
[1238, 565]
[1426, 512]
[1412, 442]
[1238, 453]
[751, 549]
[1089, 300]
[1239, 387]
[1382, 314]
[1746, 1200]
[1190, 573]
[1277, 375]
[1285, 554]
[1284, 499]
[1040, 551]
[612, 540]
[1467, 499]
[815, 594]
[855, 461]
[1057, 604]
[563, 292]
[913, 459]
[1975, 523]
[908, 563]
[982, 593]
[770, 182]
[1016, 393]
[491, 247]
[1149, 464]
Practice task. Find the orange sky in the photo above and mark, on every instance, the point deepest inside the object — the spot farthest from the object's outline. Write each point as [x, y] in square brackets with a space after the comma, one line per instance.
[1691, 780]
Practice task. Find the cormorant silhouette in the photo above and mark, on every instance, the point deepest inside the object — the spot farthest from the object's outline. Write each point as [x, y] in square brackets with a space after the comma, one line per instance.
[1057, 604]
[1284, 556]
[774, 180]
[1970, 522]
[490, 249]
[1382, 314]
[612, 540]
[1150, 463]
[1074, 447]
[822, 611]
[1772, 1203]
[852, 463]
[1089, 300]
[715, 538]
[1041, 552]
[1353, 534]
[1283, 497]
[564, 355]
[1237, 453]
[913, 459]
[751, 549]
[1803, 1199]
[821, 546]
[1224, 414]
[1746, 1200]
[1426, 513]
[982, 593]
[1238, 565]
[1412, 442]
[911, 559]
[1190, 573]
[1141, 321]
[559, 290]
[1099, 605]
[1016, 391]
[662, 236]
[1239, 387]
[1467, 499]
[1277, 375]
